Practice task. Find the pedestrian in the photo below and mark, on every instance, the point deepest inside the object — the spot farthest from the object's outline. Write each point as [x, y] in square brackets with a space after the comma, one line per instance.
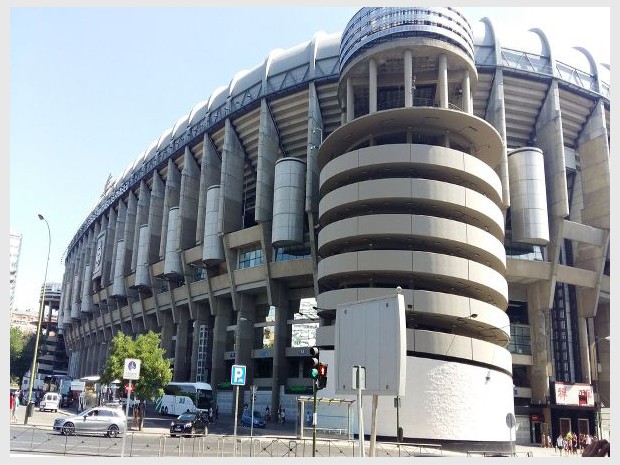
[17, 403]
[308, 418]
[267, 414]
[136, 416]
[12, 408]
[211, 414]
[575, 444]
[283, 415]
[559, 443]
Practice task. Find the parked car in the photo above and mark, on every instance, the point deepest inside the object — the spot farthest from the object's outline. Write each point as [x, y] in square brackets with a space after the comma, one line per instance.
[97, 420]
[259, 420]
[50, 401]
[189, 424]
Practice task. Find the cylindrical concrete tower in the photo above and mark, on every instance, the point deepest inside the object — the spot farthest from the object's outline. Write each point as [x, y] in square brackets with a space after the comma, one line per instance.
[288, 202]
[410, 196]
[528, 197]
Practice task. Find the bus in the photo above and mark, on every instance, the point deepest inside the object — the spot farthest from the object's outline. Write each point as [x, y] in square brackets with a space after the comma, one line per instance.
[178, 398]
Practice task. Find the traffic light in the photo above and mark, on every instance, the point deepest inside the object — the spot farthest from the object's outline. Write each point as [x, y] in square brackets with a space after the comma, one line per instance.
[314, 352]
[322, 379]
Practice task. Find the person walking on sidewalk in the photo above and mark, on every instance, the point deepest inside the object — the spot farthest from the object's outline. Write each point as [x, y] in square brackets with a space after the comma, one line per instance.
[559, 443]
[12, 408]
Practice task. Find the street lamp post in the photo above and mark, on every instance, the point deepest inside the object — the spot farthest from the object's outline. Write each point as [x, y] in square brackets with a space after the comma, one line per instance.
[29, 406]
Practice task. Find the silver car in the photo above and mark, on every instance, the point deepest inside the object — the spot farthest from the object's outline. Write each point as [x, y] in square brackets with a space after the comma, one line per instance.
[109, 421]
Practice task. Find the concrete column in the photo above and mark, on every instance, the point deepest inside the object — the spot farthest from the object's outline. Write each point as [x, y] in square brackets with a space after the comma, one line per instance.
[408, 78]
[90, 348]
[138, 326]
[595, 172]
[202, 319]
[130, 231]
[232, 181]
[180, 352]
[550, 139]
[210, 173]
[350, 100]
[118, 259]
[496, 115]
[155, 218]
[442, 81]
[83, 357]
[188, 202]
[142, 217]
[282, 338]
[584, 353]
[538, 315]
[244, 338]
[268, 152]
[109, 253]
[150, 323]
[171, 199]
[466, 89]
[103, 354]
[372, 86]
[223, 315]
[167, 330]
[315, 138]
[94, 364]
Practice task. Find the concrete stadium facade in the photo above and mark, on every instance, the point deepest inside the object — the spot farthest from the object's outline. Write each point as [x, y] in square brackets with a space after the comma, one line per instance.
[412, 149]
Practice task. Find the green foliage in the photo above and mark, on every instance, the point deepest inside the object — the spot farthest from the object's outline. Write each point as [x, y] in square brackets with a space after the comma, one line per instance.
[155, 370]
[22, 351]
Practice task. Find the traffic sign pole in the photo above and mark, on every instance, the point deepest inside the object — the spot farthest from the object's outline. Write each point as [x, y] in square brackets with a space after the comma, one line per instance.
[131, 371]
[237, 378]
[236, 416]
[129, 389]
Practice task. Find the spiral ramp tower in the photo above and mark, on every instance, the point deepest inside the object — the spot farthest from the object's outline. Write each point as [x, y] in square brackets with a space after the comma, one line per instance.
[410, 197]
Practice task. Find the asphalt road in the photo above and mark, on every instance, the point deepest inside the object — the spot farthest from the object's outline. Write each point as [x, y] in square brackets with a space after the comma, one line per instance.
[156, 423]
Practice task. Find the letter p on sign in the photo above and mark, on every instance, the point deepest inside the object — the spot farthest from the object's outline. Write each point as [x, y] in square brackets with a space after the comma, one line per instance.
[237, 375]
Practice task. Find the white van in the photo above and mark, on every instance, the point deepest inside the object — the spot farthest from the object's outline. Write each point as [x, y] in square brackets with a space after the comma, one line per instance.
[50, 401]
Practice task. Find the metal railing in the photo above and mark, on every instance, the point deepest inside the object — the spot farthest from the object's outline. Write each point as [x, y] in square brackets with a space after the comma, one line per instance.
[44, 441]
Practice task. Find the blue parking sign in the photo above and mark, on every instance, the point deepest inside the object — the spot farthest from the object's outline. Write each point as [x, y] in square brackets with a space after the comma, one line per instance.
[237, 375]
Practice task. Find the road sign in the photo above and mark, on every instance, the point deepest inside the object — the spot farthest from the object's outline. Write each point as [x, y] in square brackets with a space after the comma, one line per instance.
[132, 368]
[237, 375]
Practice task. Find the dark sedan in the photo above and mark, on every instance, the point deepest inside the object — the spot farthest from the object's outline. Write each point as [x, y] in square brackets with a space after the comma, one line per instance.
[246, 419]
[189, 424]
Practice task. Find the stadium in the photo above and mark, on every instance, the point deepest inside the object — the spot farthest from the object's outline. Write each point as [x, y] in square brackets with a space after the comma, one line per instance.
[415, 149]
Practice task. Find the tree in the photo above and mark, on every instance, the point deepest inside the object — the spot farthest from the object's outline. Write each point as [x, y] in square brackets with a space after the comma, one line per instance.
[22, 351]
[155, 370]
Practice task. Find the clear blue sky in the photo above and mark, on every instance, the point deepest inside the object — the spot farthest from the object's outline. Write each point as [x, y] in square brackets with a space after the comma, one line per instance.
[91, 88]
